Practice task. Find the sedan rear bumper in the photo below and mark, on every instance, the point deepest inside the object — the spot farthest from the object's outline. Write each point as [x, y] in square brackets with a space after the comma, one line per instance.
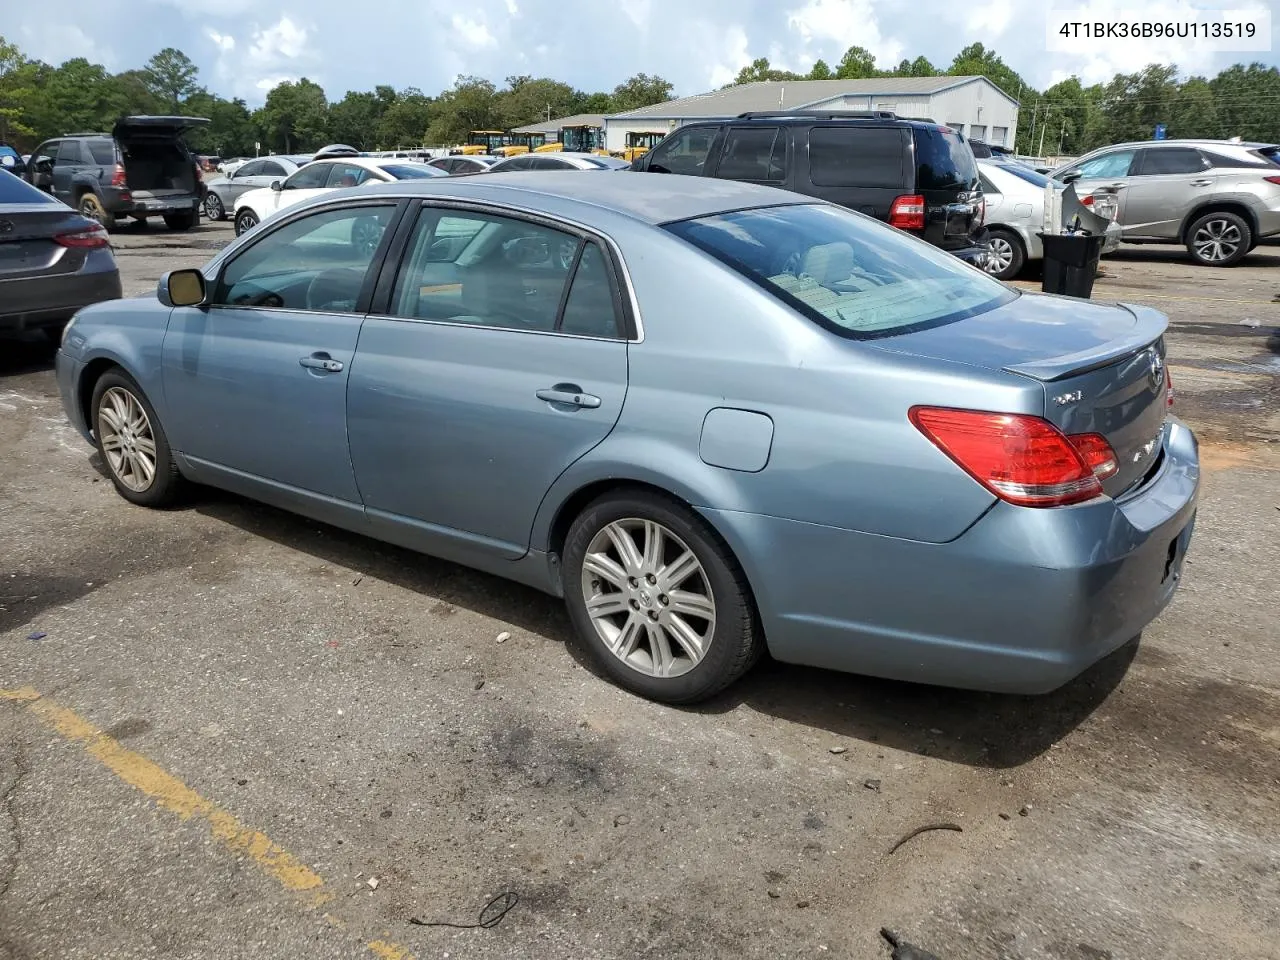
[1022, 602]
[51, 301]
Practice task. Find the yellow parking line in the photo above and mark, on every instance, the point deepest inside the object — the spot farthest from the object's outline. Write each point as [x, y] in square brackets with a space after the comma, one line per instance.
[175, 796]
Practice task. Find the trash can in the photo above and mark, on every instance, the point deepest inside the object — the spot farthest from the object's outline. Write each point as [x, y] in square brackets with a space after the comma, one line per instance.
[1070, 262]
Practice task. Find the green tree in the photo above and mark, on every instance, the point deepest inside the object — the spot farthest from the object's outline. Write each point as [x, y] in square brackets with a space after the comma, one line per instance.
[856, 64]
[1194, 111]
[1246, 99]
[294, 117]
[470, 104]
[171, 77]
[919, 67]
[354, 119]
[976, 60]
[405, 122]
[231, 131]
[759, 70]
[820, 71]
[591, 103]
[1132, 104]
[530, 100]
[17, 89]
[639, 91]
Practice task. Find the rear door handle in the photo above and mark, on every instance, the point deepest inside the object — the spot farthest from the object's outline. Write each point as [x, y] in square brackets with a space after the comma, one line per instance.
[570, 394]
[321, 361]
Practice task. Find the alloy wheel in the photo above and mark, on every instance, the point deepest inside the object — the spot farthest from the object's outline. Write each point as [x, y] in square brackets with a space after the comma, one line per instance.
[245, 222]
[128, 442]
[213, 209]
[648, 597]
[1216, 240]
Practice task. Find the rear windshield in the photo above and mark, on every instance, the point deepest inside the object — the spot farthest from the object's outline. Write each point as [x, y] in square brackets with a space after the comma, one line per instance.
[409, 171]
[1025, 173]
[848, 272]
[943, 160]
[16, 190]
[1271, 153]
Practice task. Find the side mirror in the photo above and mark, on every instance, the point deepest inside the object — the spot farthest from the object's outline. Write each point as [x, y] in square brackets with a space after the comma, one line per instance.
[181, 288]
[6, 160]
[1071, 176]
[276, 186]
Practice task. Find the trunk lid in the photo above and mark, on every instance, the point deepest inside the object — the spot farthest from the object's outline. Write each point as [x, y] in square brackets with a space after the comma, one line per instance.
[27, 248]
[154, 128]
[1102, 367]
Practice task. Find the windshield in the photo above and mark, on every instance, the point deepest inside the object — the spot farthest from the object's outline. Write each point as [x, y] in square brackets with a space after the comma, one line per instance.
[850, 273]
[15, 190]
[410, 171]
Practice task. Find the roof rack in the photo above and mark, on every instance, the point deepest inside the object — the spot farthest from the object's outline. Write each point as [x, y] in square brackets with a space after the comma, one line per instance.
[822, 114]
[87, 133]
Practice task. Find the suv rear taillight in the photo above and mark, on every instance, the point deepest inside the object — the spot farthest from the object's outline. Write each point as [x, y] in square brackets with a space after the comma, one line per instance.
[117, 177]
[1022, 459]
[907, 213]
[83, 239]
[1168, 388]
[1087, 200]
[1272, 179]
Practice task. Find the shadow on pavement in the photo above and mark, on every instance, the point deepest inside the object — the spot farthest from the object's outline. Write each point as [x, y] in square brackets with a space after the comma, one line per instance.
[27, 352]
[975, 729]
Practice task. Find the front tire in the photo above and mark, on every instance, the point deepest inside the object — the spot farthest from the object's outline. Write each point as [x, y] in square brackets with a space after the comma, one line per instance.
[1006, 255]
[1219, 239]
[132, 443]
[246, 220]
[660, 602]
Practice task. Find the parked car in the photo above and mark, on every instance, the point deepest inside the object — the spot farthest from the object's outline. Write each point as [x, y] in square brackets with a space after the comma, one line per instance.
[915, 175]
[225, 191]
[475, 163]
[53, 261]
[558, 161]
[729, 418]
[227, 167]
[141, 169]
[1014, 195]
[318, 176]
[11, 160]
[1215, 197]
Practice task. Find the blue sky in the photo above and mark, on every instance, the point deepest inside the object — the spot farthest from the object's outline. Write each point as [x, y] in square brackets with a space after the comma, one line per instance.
[244, 47]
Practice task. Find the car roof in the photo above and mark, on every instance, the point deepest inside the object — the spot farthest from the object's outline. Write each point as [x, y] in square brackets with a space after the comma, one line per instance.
[653, 198]
[1187, 142]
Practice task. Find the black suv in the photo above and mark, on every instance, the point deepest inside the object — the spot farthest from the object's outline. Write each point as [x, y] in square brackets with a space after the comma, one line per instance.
[141, 169]
[916, 175]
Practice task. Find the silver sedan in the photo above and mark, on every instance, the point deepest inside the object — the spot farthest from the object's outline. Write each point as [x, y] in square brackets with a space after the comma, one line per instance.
[225, 191]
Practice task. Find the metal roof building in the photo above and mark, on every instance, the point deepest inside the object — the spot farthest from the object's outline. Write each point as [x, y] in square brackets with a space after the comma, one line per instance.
[973, 105]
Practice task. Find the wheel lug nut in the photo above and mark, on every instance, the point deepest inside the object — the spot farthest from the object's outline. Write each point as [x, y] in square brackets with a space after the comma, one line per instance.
[635, 604]
[663, 599]
[632, 581]
[651, 578]
[653, 614]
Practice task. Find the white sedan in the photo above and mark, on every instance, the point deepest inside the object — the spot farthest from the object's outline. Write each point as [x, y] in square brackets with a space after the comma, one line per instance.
[319, 176]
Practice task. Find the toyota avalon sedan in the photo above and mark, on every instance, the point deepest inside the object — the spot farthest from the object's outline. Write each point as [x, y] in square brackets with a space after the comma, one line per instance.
[716, 418]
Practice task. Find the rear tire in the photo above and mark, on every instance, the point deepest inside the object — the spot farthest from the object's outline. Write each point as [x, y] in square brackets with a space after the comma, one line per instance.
[643, 613]
[180, 221]
[213, 208]
[132, 443]
[1219, 239]
[1007, 254]
[90, 206]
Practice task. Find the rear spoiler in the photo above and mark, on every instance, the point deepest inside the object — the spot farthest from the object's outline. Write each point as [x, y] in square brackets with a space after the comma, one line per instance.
[1150, 327]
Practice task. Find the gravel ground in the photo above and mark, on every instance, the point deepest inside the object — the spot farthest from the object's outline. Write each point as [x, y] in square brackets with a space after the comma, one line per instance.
[352, 702]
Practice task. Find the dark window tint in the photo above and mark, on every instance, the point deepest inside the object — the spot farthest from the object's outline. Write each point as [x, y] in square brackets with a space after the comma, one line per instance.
[857, 157]
[943, 160]
[516, 163]
[310, 177]
[684, 151]
[591, 310]
[1262, 161]
[1270, 154]
[547, 163]
[69, 152]
[1170, 160]
[987, 186]
[751, 153]
[14, 190]
[103, 152]
[1025, 173]
[980, 149]
[410, 171]
[253, 168]
[270, 168]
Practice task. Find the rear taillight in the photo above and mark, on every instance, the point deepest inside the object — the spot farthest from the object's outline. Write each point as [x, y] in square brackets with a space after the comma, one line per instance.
[1022, 459]
[907, 213]
[118, 178]
[1087, 200]
[1272, 179]
[83, 239]
[1168, 388]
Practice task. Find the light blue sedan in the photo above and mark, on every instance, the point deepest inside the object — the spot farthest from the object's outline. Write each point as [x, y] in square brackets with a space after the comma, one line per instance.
[716, 418]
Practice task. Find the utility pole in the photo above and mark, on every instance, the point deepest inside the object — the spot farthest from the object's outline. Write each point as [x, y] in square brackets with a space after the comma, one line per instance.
[1034, 110]
[1040, 152]
[1062, 134]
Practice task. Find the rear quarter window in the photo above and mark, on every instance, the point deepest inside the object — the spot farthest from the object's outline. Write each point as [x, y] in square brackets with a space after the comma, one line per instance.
[857, 157]
[943, 160]
[103, 152]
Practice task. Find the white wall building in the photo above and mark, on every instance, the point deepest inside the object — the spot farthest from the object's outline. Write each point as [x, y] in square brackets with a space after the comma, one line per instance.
[973, 105]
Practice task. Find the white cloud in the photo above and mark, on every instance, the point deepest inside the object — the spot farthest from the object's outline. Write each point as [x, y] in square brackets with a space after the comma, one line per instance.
[223, 41]
[284, 40]
[473, 33]
[836, 25]
[733, 54]
[46, 39]
[512, 9]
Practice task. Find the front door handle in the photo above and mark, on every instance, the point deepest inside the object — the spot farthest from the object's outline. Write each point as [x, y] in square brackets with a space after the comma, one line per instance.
[1201, 183]
[321, 361]
[570, 394]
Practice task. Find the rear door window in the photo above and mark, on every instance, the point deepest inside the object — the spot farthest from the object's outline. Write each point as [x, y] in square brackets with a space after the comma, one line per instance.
[684, 152]
[943, 160]
[270, 168]
[103, 152]
[69, 153]
[753, 153]
[851, 156]
[1158, 161]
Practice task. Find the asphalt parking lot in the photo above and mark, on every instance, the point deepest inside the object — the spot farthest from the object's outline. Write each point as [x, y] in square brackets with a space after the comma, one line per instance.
[229, 732]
